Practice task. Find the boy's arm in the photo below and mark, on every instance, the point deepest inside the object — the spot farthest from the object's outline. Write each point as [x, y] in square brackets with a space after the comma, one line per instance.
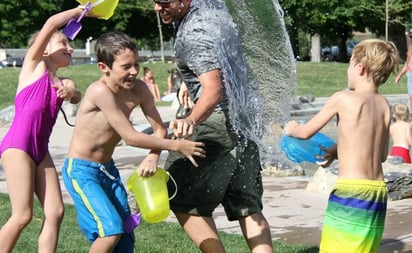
[307, 130]
[149, 165]
[103, 98]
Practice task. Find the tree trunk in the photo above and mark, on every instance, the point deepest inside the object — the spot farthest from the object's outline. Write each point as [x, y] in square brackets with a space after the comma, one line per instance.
[396, 34]
[343, 50]
[159, 25]
[315, 48]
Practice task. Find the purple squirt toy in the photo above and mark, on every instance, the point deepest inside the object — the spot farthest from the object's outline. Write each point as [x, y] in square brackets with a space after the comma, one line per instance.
[74, 26]
[132, 222]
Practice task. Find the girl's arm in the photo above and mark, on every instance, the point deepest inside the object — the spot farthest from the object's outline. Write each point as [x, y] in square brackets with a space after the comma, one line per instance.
[36, 50]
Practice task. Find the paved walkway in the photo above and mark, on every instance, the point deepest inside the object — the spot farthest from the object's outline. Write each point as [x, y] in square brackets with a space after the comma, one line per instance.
[295, 215]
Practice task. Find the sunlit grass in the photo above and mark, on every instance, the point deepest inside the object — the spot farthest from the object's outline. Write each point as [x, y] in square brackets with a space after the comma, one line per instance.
[325, 78]
[163, 237]
[321, 79]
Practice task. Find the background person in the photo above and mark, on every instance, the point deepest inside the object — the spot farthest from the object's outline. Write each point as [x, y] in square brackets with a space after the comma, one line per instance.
[150, 82]
[407, 68]
[174, 80]
[401, 133]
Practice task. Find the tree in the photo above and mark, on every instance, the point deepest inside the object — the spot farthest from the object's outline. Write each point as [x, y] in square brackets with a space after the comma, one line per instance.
[19, 19]
[337, 19]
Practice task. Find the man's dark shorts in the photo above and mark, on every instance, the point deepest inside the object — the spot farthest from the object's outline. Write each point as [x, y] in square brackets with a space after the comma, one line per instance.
[229, 175]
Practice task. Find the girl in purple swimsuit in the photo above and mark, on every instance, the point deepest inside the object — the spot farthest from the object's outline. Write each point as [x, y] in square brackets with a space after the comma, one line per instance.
[25, 157]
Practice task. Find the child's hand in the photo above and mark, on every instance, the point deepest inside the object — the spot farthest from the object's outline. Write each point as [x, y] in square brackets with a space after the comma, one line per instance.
[330, 155]
[190, 149]
[64, 92]
[148, 166]
[290, 126]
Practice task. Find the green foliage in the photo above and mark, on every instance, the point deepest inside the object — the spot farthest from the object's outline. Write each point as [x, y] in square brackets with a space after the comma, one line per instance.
[336, 20]
[19, 19]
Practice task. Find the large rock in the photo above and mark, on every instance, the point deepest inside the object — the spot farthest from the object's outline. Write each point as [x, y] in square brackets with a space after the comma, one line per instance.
[6, 115]
[398, 178]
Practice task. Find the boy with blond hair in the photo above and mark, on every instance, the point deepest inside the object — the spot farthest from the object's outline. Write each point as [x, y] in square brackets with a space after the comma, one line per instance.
[355, 216]
[401, 132]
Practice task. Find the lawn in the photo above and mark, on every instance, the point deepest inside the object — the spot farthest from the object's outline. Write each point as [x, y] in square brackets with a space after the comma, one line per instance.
[320, 79]
[163, 237]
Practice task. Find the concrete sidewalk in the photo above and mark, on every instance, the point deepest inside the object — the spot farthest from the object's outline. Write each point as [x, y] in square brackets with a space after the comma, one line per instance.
[295, 215]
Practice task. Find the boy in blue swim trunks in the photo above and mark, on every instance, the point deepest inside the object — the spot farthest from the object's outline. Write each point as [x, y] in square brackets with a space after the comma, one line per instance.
[89, 172]
[355, 216]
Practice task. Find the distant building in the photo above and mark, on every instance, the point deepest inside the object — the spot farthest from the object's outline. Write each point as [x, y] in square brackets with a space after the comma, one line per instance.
[14, 57]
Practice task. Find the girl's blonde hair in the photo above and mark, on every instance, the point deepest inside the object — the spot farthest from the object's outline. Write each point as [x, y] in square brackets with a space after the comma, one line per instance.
[380, 58]
[401, 112]
[33, 37]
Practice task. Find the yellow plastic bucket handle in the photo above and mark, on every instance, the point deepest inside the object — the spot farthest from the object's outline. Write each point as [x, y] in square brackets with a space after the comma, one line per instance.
[103, 9]
[174, 182]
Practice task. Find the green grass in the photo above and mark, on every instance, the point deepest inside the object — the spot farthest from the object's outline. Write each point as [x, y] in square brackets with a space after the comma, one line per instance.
[83, 75]
[164, 237]
[321, 79]
[325, 78]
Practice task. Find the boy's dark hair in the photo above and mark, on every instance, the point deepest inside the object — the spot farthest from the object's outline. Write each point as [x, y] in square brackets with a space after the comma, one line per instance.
[110, 44]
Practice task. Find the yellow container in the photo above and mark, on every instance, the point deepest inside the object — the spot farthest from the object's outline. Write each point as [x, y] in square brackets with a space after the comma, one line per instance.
[104, 8]
[151, 195]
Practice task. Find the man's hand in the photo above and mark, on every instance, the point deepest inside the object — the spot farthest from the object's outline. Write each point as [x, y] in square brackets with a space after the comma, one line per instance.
[184, 98]
[182, 128]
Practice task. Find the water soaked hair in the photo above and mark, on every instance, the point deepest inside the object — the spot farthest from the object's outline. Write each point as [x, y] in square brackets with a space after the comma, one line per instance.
[380, 58]
[112, 43]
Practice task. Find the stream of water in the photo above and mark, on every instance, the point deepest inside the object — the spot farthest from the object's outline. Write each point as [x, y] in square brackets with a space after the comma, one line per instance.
[259, 71]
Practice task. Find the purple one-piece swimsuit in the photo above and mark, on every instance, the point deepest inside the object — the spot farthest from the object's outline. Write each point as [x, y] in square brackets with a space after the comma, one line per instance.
[36, 109]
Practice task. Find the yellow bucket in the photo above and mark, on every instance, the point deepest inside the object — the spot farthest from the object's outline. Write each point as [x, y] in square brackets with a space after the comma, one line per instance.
[104, 9]
[151, 195]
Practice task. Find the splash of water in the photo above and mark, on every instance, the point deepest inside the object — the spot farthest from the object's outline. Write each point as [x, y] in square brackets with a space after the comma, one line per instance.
[258, 69]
